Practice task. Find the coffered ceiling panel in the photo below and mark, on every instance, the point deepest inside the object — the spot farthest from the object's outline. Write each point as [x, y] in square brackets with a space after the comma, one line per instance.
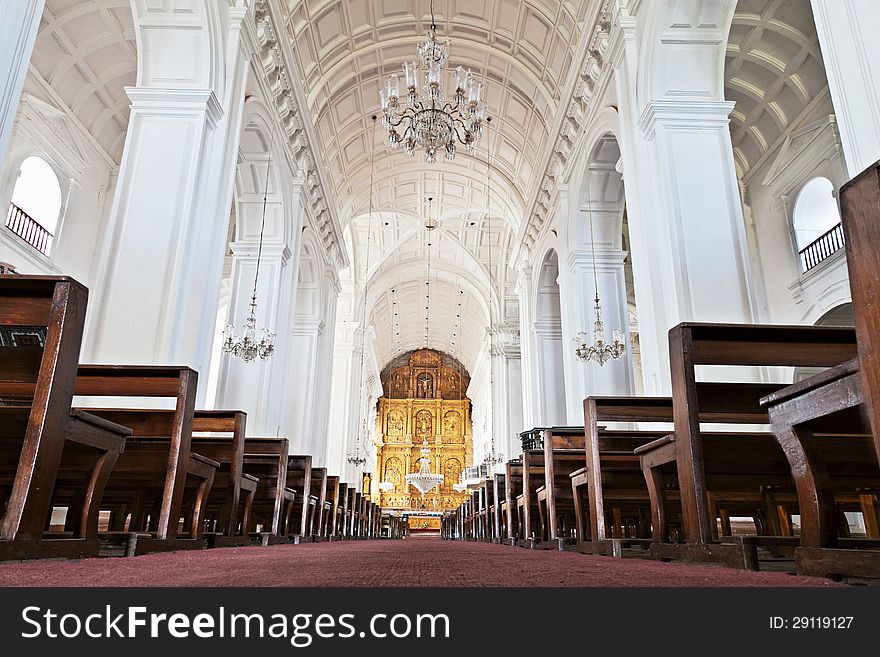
[86, 52]
[774, 72]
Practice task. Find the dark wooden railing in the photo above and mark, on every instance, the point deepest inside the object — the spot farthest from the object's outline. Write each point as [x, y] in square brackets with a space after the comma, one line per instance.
[23, 225]
[822, 248]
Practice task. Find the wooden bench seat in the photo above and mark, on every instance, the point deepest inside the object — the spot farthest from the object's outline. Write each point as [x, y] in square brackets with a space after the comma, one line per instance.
[49, 455]
[319, 495]
[157, 473]
[513, 486]
[693, 345]
[499, 511]
[266, 459]
[828, 466]
[563, 453]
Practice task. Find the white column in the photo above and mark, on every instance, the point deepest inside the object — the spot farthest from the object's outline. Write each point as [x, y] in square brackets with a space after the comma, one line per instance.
[349, 399]
[249, 386]
[260, 387]
[851, 50]
[550, 395]
[507, 406]
[148, 312]
[578, 295]
[689, 245]
[19, 20]
[525, 290]
[320, 435]
[300, 413]
[160, 276]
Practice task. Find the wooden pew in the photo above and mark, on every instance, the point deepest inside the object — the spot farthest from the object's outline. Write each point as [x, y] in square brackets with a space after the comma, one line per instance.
[844, 404]
[41, 327]
[150, 478]
[232, 495]
[693, 345]
[474, 515]
[613, 473]
[487, 502]
[499, 515]
[527, 513]
[299, 478]
[272, 508]
[229, 504]
[358, 516]
[331, 505]
[350, 513]
[563, 449]
[319, 495]
[513, 485]
[338, 533]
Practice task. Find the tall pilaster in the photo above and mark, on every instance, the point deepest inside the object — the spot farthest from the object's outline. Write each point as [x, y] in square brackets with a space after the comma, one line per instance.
[525, 291]
[160, 277]
[847, 32]
[19, 21]
[506, 381]
[688, 238]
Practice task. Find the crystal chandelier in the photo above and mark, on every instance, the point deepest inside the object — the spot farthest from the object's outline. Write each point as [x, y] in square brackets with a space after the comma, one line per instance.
[599, 351]
[246, 346]
[424, 480]
[356, 459]
[425, 118]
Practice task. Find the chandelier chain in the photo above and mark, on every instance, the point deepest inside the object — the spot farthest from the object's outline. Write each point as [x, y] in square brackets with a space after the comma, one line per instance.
[263, 220]
[357, 459]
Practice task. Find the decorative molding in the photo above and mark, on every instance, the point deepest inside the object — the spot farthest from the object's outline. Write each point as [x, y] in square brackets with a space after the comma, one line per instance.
[275, 60]
[607, 260]
[801, 151]
[36, 116]
[172, 101]
[594, 64]
[689, 114]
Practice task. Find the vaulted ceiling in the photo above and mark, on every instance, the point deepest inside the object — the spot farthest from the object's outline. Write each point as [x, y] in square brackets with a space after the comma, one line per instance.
[86, 53]
[524, 52]
[774, 71]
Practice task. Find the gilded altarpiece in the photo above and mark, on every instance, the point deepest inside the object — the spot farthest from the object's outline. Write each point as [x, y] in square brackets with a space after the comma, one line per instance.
[424, 397]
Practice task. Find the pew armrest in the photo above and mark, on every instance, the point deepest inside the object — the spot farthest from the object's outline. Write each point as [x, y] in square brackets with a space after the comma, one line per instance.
[812, 383]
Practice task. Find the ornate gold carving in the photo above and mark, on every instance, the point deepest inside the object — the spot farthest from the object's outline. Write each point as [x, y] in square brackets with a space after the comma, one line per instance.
[396, 423]
[452, 424]
[424, 424]
[424, 398]
[424, 386]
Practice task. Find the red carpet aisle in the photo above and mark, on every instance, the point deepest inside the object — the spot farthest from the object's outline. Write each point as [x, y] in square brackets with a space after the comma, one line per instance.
[413, 562]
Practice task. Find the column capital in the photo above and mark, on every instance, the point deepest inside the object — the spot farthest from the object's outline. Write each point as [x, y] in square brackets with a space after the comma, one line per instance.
[248, 249]
[694, 114]
[606, 259]
[154, 100]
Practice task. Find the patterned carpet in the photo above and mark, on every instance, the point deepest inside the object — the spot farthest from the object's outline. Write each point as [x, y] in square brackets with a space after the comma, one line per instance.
[410, 562]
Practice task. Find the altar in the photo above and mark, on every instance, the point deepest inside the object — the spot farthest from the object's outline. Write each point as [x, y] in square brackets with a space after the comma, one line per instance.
[423, 399]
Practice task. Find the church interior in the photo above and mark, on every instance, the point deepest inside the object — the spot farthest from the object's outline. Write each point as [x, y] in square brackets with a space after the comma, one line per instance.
[439, 293]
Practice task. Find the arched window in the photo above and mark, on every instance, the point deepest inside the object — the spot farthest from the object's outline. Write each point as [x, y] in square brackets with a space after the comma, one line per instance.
[816, 220]
[36, 203]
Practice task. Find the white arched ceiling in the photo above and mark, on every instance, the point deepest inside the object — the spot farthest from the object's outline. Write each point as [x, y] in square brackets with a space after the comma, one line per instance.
[774, 72]
[521, 49]
[464, 253]
[86, 53]
[455, 307]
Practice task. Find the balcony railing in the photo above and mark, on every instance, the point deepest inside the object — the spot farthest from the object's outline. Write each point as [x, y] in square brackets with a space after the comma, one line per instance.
[822, 248]
[23, 225]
